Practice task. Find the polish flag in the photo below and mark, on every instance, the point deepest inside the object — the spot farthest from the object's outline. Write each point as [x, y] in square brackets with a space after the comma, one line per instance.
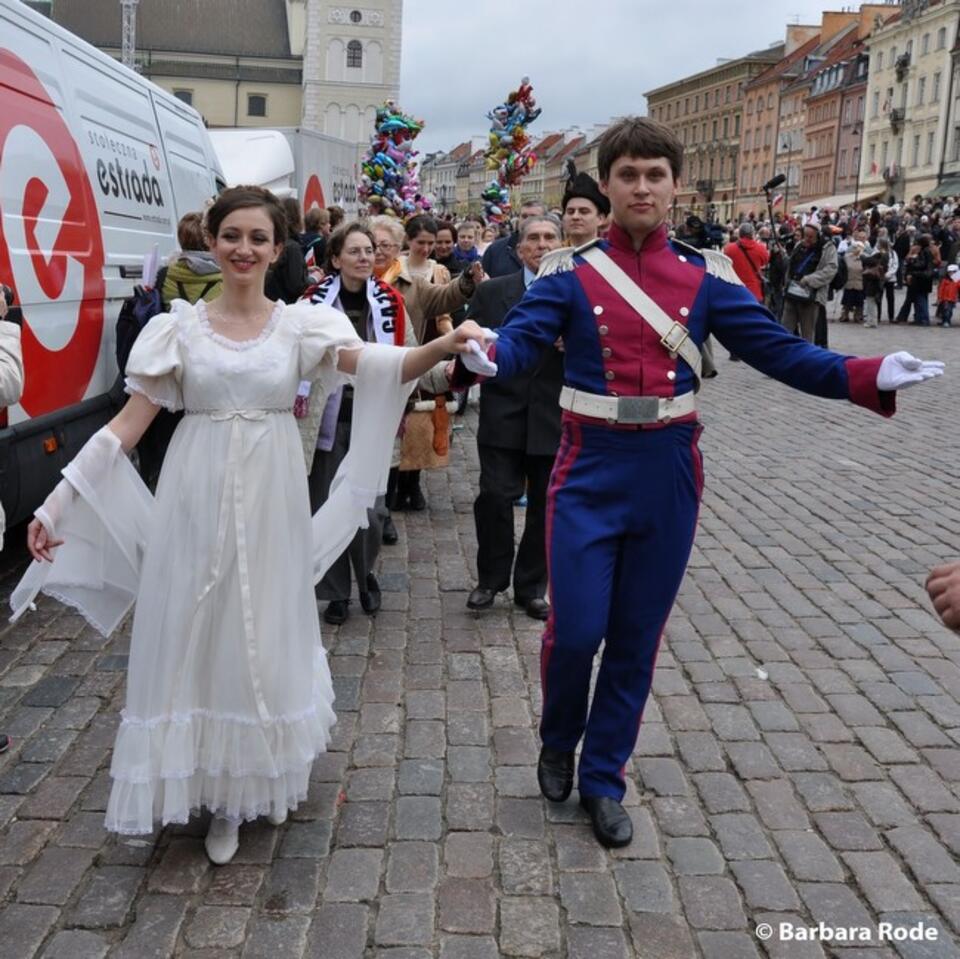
[777, 199]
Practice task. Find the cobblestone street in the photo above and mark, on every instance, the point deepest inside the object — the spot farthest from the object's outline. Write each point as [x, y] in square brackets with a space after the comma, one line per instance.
[799, 760]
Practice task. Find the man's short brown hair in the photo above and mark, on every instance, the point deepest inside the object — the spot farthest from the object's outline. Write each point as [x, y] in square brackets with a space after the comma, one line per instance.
[639, 137]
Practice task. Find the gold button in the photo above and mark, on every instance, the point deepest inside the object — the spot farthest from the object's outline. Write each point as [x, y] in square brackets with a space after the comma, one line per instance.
[671, 375]
[609, 374]
[682, 259]
[603, 330]
[614, 393]
[684, 311]
[606, 352]
[598, 311]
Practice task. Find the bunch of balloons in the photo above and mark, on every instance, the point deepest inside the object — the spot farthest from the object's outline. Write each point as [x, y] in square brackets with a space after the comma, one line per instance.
[389, 179]
[509, 152]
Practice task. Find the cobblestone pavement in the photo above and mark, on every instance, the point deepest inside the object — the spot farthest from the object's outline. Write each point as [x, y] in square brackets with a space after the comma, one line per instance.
[799, 761]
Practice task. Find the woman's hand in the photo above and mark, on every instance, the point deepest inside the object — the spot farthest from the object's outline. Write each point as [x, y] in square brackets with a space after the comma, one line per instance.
[458, 339]
[476, 272]
[40, 543]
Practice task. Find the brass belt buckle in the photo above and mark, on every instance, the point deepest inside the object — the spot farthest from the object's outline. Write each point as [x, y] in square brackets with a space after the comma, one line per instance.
[638, 409]
[675, 337]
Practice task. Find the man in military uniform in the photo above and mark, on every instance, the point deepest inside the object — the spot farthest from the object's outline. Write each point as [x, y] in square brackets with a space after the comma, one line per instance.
[625, 490]
[585, 209]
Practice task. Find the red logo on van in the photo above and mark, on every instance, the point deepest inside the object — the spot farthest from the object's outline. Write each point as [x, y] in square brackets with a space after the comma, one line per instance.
[313, 195]
[54, 378]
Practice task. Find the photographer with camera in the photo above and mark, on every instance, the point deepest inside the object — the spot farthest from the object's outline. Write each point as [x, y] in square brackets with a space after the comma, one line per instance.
[11, 385]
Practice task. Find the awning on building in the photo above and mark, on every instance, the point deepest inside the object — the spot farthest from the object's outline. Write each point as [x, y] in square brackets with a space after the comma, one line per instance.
[836, 202]
[949, 186]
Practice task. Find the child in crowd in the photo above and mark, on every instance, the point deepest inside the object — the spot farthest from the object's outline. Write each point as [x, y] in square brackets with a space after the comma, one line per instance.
[466, 249]
[947, 295]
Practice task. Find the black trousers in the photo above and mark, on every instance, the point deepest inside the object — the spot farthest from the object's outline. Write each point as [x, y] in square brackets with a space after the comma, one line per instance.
[503, 474]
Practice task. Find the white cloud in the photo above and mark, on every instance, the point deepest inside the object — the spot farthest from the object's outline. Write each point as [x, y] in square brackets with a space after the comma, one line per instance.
[587, 61]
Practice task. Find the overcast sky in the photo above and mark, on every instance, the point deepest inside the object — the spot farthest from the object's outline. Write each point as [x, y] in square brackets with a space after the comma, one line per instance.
[587, 61]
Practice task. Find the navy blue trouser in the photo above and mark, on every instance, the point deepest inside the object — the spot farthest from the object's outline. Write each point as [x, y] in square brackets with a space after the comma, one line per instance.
[621, 516]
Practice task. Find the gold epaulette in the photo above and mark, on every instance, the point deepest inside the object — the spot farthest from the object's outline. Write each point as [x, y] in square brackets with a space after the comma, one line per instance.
[561, 261]
[717, 264]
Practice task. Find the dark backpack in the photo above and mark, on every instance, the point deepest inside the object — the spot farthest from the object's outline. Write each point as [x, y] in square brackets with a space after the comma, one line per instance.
[135, 312]
[839, 280]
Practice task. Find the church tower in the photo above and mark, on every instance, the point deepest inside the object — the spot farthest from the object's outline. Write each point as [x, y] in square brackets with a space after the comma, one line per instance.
[351, 64]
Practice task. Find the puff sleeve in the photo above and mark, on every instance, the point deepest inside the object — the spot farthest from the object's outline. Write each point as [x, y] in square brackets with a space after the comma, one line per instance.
[155, 365]
[324, 331]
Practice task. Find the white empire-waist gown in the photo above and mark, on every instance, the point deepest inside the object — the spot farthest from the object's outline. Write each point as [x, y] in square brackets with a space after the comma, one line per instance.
[229, 697]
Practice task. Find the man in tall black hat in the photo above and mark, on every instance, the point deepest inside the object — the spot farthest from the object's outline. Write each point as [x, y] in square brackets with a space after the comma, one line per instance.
[585, 209]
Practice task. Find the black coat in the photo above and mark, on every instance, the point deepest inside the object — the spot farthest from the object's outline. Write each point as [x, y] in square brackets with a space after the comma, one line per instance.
[522, 412]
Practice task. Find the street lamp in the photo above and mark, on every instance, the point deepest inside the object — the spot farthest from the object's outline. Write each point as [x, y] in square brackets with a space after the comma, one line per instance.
[857, 132]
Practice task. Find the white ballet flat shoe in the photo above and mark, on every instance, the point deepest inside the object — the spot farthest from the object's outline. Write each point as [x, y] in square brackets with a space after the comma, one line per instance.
[223, 839]
[277, 818]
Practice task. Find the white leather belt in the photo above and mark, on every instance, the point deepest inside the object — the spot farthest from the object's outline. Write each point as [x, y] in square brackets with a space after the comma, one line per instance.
[627, 409]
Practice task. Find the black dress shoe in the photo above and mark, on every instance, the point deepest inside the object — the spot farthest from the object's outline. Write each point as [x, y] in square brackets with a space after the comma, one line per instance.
[536, 608]
[555, 773]
[611, 824]
[481, 598]
[390, 535]
[4, 742]
[415, 499]
[337, 611]
[370, 598]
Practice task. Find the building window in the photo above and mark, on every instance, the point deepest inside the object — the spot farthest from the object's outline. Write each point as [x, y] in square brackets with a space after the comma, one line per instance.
[855, 160]
[770, 100]
[935, 92]
[925, 45]
[880, 60]
[876, 103]
[893, 55]
[668, 111]
[941, 38]
[714, 129]
[256, 105]
[749, 106]
[686, 106]
[726, 126]
[736, 125]
[921, 90]
[909, 50]
[916, 150]
[859, 108]
[884, 152]
[872, 155]
[768, 135]
[354, 54]
[956, 144]
[931, 137]
[842, 164]
[728, 94]
[355, 16]
[185, 95]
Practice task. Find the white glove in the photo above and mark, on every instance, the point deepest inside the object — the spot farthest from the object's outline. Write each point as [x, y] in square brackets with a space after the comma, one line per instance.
[476, 360]
[900, 370]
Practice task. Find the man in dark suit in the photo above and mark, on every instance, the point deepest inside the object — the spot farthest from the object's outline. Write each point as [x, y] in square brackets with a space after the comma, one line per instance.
[517, 441]
[502, 256]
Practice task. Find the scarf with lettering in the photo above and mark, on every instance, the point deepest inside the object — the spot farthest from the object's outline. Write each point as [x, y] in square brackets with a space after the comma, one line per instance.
[387, 316]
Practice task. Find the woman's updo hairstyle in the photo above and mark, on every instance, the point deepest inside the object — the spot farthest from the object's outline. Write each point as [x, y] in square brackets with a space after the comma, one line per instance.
[243, 198]
[421, 223]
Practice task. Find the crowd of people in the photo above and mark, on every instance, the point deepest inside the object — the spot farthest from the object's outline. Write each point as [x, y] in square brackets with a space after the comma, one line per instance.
[280, 348]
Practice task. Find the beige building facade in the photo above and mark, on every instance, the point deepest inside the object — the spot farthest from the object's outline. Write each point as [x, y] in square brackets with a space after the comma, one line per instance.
[261, 63]
[910, 98]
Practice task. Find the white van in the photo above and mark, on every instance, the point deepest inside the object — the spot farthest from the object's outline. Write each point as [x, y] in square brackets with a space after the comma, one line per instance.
[97, 165]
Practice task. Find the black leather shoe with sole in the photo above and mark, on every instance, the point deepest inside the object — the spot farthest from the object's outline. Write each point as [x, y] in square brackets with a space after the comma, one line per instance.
[370, 598]
[536, 608]
[337, 611]
[611, 824]
[555, 773]
[481, 598]
[390, 535]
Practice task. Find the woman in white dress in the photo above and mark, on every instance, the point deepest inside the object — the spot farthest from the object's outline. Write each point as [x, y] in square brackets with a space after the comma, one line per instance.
[229, 697]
